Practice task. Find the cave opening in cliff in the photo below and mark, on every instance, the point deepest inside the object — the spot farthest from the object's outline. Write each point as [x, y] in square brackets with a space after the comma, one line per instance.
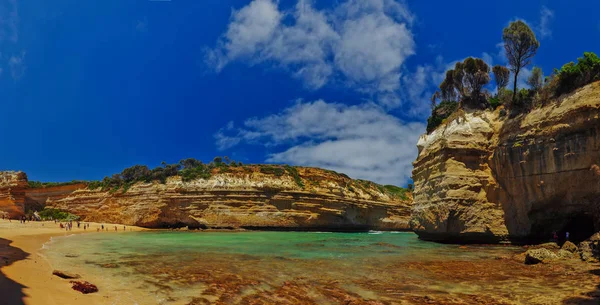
[580, 228]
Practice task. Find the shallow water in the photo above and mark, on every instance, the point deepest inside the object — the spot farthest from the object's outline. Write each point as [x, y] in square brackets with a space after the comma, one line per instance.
[306, 268]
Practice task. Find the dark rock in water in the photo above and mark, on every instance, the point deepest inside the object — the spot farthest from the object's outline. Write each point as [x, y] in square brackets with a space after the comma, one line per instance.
[71, 255]
[65, 275]
[569, 246]
[84, 287]
[535, 256]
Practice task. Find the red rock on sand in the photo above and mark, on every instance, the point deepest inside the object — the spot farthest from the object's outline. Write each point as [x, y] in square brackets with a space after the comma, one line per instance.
[84, 287]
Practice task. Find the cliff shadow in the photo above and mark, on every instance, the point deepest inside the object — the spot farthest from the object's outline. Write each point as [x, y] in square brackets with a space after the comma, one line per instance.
[11, 292]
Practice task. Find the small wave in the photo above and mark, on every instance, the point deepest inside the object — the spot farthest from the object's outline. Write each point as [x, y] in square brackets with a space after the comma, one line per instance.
[375, 232]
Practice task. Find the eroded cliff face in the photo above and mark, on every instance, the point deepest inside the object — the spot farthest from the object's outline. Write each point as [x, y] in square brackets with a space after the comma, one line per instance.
[486, 178]
[246, 198]
[12, 193]
[16, 197]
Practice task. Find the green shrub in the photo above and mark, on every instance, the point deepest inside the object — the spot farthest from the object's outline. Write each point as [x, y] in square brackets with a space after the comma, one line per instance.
[39, 184]
[396, 191]
[57, 214]
[272, 170]
[575, 75]
[495, 102]
[294, 173]
[440, 113]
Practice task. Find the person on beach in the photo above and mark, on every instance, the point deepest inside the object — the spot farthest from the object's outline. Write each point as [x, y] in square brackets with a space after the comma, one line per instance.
[115, 228]
[567, 235]
[124, 229]
[102, 227]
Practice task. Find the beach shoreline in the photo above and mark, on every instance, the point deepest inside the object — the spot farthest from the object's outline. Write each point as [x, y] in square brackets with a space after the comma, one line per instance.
[26, 275]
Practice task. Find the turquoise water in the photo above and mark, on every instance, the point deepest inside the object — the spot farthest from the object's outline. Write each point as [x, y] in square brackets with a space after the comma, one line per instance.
[172, 267]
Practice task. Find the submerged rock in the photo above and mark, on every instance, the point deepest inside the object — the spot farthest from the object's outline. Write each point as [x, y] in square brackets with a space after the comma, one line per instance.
[84, 287]
[536, 256]
[65, 275]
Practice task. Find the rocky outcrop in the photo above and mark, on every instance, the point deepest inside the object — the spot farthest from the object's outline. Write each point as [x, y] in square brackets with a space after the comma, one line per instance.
[12, 193]
[244, 197]
[485, 177]
[536, 256]
[16, 197]
[35, 198]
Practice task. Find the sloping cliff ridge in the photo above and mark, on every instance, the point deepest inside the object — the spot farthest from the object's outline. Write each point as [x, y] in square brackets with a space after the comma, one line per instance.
[482, 177]
[242, 197]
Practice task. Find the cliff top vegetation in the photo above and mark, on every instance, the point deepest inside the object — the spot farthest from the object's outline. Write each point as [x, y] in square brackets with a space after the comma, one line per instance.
[463, 86]
[191, 169]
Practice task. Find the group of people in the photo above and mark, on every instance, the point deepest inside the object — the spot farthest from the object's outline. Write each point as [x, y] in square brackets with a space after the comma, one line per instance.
[116, 228]
[555, 236]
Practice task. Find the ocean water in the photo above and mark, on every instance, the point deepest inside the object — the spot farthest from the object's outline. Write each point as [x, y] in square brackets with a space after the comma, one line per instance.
[167, 267]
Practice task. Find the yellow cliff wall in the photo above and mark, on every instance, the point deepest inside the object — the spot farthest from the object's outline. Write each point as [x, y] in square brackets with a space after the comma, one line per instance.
[246, 198]
[486, 178]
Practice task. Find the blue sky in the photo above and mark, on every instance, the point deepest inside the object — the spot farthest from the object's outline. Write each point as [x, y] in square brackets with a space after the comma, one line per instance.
[90, 87]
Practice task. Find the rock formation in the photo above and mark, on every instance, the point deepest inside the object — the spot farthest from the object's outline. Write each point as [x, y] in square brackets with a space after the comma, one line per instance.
[244, 197]
[12, 193]
[487, 177]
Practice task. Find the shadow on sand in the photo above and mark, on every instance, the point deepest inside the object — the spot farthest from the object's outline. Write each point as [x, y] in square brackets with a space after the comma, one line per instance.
[11, 291]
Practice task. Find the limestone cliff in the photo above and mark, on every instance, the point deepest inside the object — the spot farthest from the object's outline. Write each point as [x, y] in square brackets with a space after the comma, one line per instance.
[244, 197]
[483, 177]
[12, 193]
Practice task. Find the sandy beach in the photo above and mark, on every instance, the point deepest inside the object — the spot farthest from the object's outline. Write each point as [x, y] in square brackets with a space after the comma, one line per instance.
[26, 276]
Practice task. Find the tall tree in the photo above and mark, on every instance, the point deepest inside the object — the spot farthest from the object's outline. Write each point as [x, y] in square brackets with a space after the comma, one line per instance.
[536, 79]
[447, 87]
[465, 81]
[476, 75]
[501, 75]
[437, 95]
[520, 45]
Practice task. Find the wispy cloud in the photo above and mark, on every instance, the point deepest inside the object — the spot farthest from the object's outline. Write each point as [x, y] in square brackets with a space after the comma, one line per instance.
[361, 44]
[362, 141]
[17, 66]
[546, 16]
[142, 25]
[9, 20]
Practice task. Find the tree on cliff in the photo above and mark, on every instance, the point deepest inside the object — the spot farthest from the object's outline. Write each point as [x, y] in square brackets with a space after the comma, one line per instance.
[466, 81]
[536, 79]
[501, 75]
[520, 45]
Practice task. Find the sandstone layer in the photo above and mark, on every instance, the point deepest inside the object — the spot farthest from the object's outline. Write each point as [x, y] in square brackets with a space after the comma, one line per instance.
[246, 198]
[16, 197]
[12, 193]
[487, 177]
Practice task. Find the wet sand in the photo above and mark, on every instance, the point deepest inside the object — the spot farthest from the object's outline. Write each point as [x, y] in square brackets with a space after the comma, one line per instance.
[26, 276]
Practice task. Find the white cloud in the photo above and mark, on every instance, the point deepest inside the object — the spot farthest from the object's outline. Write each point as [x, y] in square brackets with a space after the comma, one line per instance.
[362, 44]
[9, 19]
[362, 141]
[142, 25]
[546, 15]
[17, 67]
